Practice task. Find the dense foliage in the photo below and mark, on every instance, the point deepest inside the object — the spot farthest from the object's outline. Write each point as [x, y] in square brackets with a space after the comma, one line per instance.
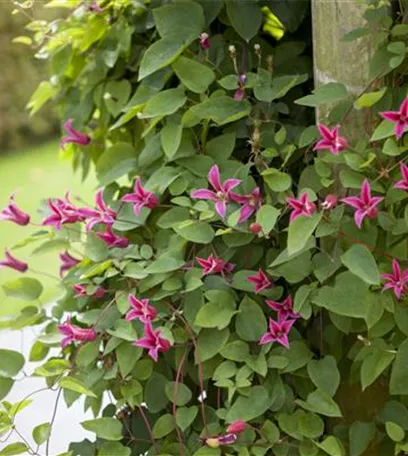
[240, 285]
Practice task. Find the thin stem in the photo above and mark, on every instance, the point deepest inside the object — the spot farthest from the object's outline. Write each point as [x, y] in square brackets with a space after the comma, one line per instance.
[175, 394]
[148, 427]
[54, 414]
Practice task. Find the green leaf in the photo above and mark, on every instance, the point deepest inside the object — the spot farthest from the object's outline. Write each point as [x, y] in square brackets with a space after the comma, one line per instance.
[399, 373]
[300, 231]
[127, 355]
[88, 353]
[115, 162]
[44, 92]
[311, 425]
[276, 180]
[374, 365]
[235, 351]
[221, 147]
[325, 374]
[328, 93]
[216, 314]
[95, 248]
[114, 449]
[332, 446]
[384, 130]
[41, 433]
[250, 322]
[123, 330]
[24, 288]
[164, 103]
[210, 342]
[249, 407]
[104, 428]
[117, 95]
[178, 393]
[194, 75]
[394, 431]
[222, 110]
[11, 363]
[50, 246]
[360, 436]
[170, 136]
[164, 264]
[163, 426]
[268, 87]
[320, 402]
[155, 394]
[360, 261]
[74, 384]
[245, 17]
[14, 448]
[369, 99]
[5, 386]
[267, 216]
[195, 231]
[185, 416]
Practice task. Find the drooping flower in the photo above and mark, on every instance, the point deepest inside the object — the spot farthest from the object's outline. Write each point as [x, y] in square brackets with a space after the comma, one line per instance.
[397, 281]
[103, 214]
[284, 309]
[74, 136]
[204, 40]
[13, 263]
[140, 198]
[14, 214]
[403, 183]
[250, 203]
[62, 212]
[153, 342]
[216, 265]
[330, 202]
[240, 92]
[141, 310]
[260, 280]
[330, 140]
[237, 427]
[366, 205]
[278, 332]
[301, 206]
[67, 262]
[400, 118]
[74, 333]
[81, 291]
[113, 240]
[222, 194]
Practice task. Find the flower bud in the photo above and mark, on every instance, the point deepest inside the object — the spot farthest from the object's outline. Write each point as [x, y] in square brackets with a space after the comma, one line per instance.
[330, 202]
[255, 228]
[236, 427]
[212, 442]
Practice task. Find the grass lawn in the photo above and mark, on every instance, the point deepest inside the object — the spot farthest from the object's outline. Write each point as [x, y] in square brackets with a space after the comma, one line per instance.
[36, 174]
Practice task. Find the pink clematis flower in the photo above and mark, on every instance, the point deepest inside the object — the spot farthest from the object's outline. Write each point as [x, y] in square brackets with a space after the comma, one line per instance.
[301, 206]
[74, 136]
[397, 281]
[204, 40]
[153, 342]
[330, 140]
[284, 309]
[103, 214]
[141, 310]
[113, 240]
[62, 212]
[250, 203]
[222, 194]
[403, 183]
[366, 205]
[140, 198]
[237, 427]
[13, 263]
[278, 332]
[95, 8]
[260, 280]
[67, 262]
[400, 118]
[14, 214]
[213, 265]
[240, 92]
[80, 292]
[74, 333]
[329, 203]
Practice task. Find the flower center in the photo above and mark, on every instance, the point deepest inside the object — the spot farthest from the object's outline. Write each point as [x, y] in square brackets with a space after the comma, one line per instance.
[221, 196]
[279, 334]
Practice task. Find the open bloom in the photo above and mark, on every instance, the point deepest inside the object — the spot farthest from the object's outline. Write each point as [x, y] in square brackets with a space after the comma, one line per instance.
[67, 262]
[62, 212]
[330, 140]
[140, 198]
[216, 265]
[14, 214]
[13, 263]
[237, 427]
[240, 92]
[284, 309]
[222, 194]
[400, 118]
[397, 281]
[74, 333]
[403, 183]
[113, 240]
[81, 291]
[141, 310]
[204, 40]
[301, 206]
[278, 332]
[153, 342]
[74, 136]
[250, 203]
[366, 205]
[103, 214]
[260, 280]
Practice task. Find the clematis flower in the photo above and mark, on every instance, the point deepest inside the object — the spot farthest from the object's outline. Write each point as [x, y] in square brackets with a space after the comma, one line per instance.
[284, 309]
[204, 40]
[113, 240]
[140, 198]
[14, 214]
[153, 342]
[260, 280]
[330, 140]
[240, 92]
[330, 202]
[237, 427]
[250, 203]
[213, 265]
[397, 281]
[81, 291]
[301, 206]
[403, 183]
[95, 8]
[62, 212]
[222, 194]
[74, 333]
[216, 442]
[278, 332]
[366, 205]
[141, 310]
[13, 263]
[103, 214]
[74, 136]
[67, 262]
[400, 118]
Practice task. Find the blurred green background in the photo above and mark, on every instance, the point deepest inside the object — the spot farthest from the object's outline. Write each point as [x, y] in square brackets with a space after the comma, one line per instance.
[29, 158]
